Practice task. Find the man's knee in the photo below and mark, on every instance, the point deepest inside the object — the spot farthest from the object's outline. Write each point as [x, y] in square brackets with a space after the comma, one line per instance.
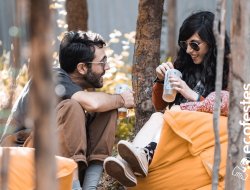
[70, 118]
[69, 104]
[70, 109]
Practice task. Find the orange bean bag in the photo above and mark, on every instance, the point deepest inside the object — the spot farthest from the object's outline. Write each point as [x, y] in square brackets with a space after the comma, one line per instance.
[184, 156]
[21, 172]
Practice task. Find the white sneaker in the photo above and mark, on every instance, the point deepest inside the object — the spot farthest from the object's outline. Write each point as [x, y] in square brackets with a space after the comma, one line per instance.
[119, 169]
[134, 156]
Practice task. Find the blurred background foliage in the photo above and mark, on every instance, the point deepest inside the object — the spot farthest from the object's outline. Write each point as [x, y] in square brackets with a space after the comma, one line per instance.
[120, 73]
[10, 79]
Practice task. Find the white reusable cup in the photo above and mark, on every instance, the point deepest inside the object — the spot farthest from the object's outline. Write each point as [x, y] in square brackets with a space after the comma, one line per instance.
[120, 88]
[169, 93]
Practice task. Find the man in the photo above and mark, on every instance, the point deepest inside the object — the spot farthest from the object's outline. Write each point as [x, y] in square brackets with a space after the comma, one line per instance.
[86, 121]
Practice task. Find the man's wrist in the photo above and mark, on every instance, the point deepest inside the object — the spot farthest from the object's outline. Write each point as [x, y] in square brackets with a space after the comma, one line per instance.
[123, 101]
[120, 102]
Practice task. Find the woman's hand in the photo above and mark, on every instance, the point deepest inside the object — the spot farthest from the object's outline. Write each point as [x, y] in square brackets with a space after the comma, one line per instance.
[179, 85]
[162, 68]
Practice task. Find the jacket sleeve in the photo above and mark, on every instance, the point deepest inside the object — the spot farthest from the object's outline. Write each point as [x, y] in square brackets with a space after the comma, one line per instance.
[207, 105]
[158, 102]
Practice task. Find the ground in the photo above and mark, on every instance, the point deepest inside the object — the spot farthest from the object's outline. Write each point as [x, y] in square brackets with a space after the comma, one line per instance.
[108, 183]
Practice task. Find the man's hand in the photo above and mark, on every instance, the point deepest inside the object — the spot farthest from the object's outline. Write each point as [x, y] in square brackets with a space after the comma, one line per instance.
[128, 98]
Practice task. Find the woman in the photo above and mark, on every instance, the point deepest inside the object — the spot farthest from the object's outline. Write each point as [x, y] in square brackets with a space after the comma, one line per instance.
[196, 60]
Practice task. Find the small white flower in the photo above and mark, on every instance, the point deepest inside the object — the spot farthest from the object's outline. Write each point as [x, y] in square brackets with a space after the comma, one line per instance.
[125, 53]
[114, 40]
[125, 47]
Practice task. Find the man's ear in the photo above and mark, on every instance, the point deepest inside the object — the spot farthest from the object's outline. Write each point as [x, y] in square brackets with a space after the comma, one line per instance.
[82, 68]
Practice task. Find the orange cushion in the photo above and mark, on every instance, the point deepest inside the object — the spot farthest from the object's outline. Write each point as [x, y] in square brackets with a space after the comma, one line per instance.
[184, 155]
[21, 172]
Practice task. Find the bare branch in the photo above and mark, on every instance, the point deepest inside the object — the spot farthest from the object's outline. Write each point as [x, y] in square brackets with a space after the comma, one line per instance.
[220, 39]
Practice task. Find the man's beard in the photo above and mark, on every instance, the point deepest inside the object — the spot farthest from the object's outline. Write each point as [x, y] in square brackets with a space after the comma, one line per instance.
[95, 80]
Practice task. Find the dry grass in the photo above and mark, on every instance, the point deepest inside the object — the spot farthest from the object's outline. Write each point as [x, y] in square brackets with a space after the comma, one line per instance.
[108, 183]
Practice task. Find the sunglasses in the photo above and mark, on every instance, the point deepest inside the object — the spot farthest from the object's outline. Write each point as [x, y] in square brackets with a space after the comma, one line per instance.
[193, 44]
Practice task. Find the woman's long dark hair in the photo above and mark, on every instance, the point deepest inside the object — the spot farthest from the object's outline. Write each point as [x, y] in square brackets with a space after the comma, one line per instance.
[202, 24]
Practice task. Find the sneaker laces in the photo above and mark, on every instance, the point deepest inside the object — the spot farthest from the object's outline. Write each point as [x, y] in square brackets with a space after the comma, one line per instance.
[147, 152]
[144, 151]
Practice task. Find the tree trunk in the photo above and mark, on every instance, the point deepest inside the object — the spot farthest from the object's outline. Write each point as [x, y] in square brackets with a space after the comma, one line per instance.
[146, 57]
[239, 101]
[77, 14]
[4, 168]
[171, 25]
[220, 41]
[41, 100]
